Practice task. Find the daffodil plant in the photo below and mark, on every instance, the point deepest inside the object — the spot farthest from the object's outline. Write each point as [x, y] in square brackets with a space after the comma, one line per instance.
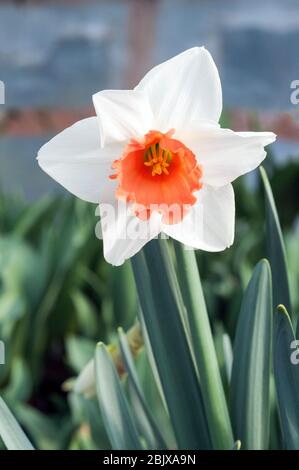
[156, 161]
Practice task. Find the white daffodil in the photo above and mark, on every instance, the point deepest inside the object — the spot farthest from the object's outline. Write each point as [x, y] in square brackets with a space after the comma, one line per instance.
[158, 157]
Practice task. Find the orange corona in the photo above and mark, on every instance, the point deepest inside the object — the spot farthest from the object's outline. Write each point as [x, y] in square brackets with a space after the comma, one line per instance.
[158, 172]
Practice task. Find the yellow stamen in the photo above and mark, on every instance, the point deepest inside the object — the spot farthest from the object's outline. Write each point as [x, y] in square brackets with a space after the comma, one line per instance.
[157, 158]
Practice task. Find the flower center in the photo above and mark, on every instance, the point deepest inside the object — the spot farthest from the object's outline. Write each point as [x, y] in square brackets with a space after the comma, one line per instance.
[177, 175]
[158, 159]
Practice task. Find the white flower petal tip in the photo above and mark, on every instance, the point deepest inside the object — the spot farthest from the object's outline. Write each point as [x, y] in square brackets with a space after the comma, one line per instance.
[185, 88]
[265, 138]
[74, 159]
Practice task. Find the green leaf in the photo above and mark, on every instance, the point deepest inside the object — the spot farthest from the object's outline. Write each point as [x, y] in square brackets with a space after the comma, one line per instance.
[34, 215]
[153, 398]
[116, 413]
[276, 248]
[125, 302]
[156, 285]
[20, 385]
[85, 312]
[227, 355]
[144, 417]
[86, 410]
[11, 432]
[224, 351]
[275, 428]
[42, 429]
[286, 373]
[250, 382]
[204, 349]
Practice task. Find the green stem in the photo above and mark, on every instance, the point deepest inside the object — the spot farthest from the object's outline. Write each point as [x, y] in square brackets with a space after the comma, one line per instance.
[204, 350]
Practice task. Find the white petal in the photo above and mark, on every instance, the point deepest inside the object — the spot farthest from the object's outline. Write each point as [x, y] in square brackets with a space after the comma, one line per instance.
[75, 159]
[210, 225]
[125, 234]
[224, 154]
[123, 115]
[184, 88]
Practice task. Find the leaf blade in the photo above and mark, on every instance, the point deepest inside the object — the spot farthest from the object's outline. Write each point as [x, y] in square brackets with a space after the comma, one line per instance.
[250, 381]
[151, 431]
[113, 403]
[286, 373]
[11, 432]
[163, 320]
[276, 248]
[204, 349]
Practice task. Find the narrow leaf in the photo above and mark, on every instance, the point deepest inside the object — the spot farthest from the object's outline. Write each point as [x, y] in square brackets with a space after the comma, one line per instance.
[11, 432]
[250, 382]
[154, 275]
[144, 416]
[228, 355]
[204, 349]
[286, 374]
[116, 413]
[276, 248]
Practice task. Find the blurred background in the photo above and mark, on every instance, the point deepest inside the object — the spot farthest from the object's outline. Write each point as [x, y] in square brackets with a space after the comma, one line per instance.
[57, 295]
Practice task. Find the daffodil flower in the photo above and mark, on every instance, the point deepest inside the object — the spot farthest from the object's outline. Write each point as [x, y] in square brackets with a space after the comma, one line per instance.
[157, 148]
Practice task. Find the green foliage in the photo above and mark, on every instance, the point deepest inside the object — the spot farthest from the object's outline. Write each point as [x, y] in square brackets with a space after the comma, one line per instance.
[219, 424]
[56, 299]
[194, 371]
[162, 315]
[276, 248]
[10, 430]
[250, 381]
[287, 377]
[116, 413]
